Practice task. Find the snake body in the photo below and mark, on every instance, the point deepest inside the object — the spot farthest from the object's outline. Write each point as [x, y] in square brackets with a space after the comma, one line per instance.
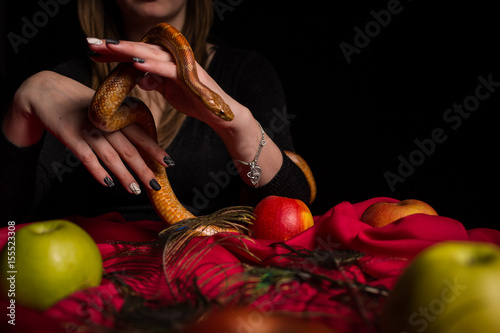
[110, 111]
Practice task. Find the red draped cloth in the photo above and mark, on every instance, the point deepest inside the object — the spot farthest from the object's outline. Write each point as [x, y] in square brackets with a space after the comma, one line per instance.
[387, 250]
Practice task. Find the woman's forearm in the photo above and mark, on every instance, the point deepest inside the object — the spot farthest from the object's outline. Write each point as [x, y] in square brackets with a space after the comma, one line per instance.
[242, 138]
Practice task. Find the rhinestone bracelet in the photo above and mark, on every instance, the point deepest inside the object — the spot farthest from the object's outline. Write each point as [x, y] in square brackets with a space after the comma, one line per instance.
[255, 170]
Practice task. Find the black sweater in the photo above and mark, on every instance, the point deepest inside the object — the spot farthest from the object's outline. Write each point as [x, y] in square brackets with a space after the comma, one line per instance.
[46, 180]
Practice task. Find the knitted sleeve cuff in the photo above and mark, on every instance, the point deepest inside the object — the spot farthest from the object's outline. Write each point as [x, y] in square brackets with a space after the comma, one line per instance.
[289, 182]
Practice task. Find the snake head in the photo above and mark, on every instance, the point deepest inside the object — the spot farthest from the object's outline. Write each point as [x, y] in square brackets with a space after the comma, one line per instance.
[218, 107]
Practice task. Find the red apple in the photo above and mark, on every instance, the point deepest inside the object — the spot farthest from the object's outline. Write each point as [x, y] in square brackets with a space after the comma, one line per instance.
[383, 213]
[281, 218]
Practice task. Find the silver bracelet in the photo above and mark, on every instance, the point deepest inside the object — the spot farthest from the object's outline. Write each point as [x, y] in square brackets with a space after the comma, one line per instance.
[255, 170]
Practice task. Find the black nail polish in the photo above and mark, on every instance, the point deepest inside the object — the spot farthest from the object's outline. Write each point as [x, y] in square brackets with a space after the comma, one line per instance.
[93, 54]
[169, 161]
[109, 182]
[112, 41]
[138, 60]
[154, 185]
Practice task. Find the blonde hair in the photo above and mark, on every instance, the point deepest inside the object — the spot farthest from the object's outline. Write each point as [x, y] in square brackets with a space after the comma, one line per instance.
[102, 19]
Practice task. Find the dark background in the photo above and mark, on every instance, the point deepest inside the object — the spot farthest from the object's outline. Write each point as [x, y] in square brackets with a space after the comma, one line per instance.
[351, 120]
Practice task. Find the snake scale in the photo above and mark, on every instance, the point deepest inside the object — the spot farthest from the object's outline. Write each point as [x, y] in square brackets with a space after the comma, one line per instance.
[109, 112]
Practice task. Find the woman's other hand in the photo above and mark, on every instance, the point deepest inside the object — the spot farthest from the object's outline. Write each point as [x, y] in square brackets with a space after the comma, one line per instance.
[52, 102]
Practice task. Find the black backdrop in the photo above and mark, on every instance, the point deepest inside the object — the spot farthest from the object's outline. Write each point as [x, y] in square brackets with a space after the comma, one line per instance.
[354, 121]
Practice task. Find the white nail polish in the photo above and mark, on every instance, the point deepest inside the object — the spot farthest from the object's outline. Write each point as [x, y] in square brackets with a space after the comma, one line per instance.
[135, 188]
[94, 41]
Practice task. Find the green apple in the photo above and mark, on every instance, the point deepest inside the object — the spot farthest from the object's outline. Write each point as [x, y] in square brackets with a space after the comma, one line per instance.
[451, 287]
[47, 261]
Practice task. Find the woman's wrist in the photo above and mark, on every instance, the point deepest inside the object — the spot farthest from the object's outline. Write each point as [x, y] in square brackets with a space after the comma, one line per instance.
[243, 137]
[239, 134]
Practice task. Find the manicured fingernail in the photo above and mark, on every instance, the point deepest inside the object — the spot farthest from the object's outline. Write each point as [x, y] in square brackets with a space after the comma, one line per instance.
[94, 41]
[169, 161]
[138, 60]
[135, 188]
[112, 41]
[93, 54]
[154, 185]
[109, 182]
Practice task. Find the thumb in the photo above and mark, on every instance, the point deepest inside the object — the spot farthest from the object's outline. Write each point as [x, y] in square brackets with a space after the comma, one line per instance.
[151, 82]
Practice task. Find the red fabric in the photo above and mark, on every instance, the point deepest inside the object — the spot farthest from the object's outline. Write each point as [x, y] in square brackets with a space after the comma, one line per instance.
[388, 250]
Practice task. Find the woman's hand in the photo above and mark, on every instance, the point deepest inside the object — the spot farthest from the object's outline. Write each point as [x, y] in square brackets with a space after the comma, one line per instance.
[52, 102]
[162, 77]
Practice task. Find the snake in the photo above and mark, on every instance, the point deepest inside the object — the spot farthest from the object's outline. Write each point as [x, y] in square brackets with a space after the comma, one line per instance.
[111, 109]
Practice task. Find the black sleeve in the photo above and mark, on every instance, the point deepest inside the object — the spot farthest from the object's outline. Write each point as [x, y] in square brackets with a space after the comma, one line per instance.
[289, 182]
[18, 178]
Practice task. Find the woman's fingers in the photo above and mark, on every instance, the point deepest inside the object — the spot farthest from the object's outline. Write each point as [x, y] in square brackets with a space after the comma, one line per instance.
[124, 51]
[102, 148]
[130, 155]
[145, 57]
[85, 154]
[115, 150]
[143, 141]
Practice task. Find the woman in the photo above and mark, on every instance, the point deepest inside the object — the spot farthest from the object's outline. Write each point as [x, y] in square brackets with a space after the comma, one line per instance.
[51, 150]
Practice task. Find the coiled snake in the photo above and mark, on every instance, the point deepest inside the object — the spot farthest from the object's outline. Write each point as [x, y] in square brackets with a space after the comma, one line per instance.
[109, 113]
